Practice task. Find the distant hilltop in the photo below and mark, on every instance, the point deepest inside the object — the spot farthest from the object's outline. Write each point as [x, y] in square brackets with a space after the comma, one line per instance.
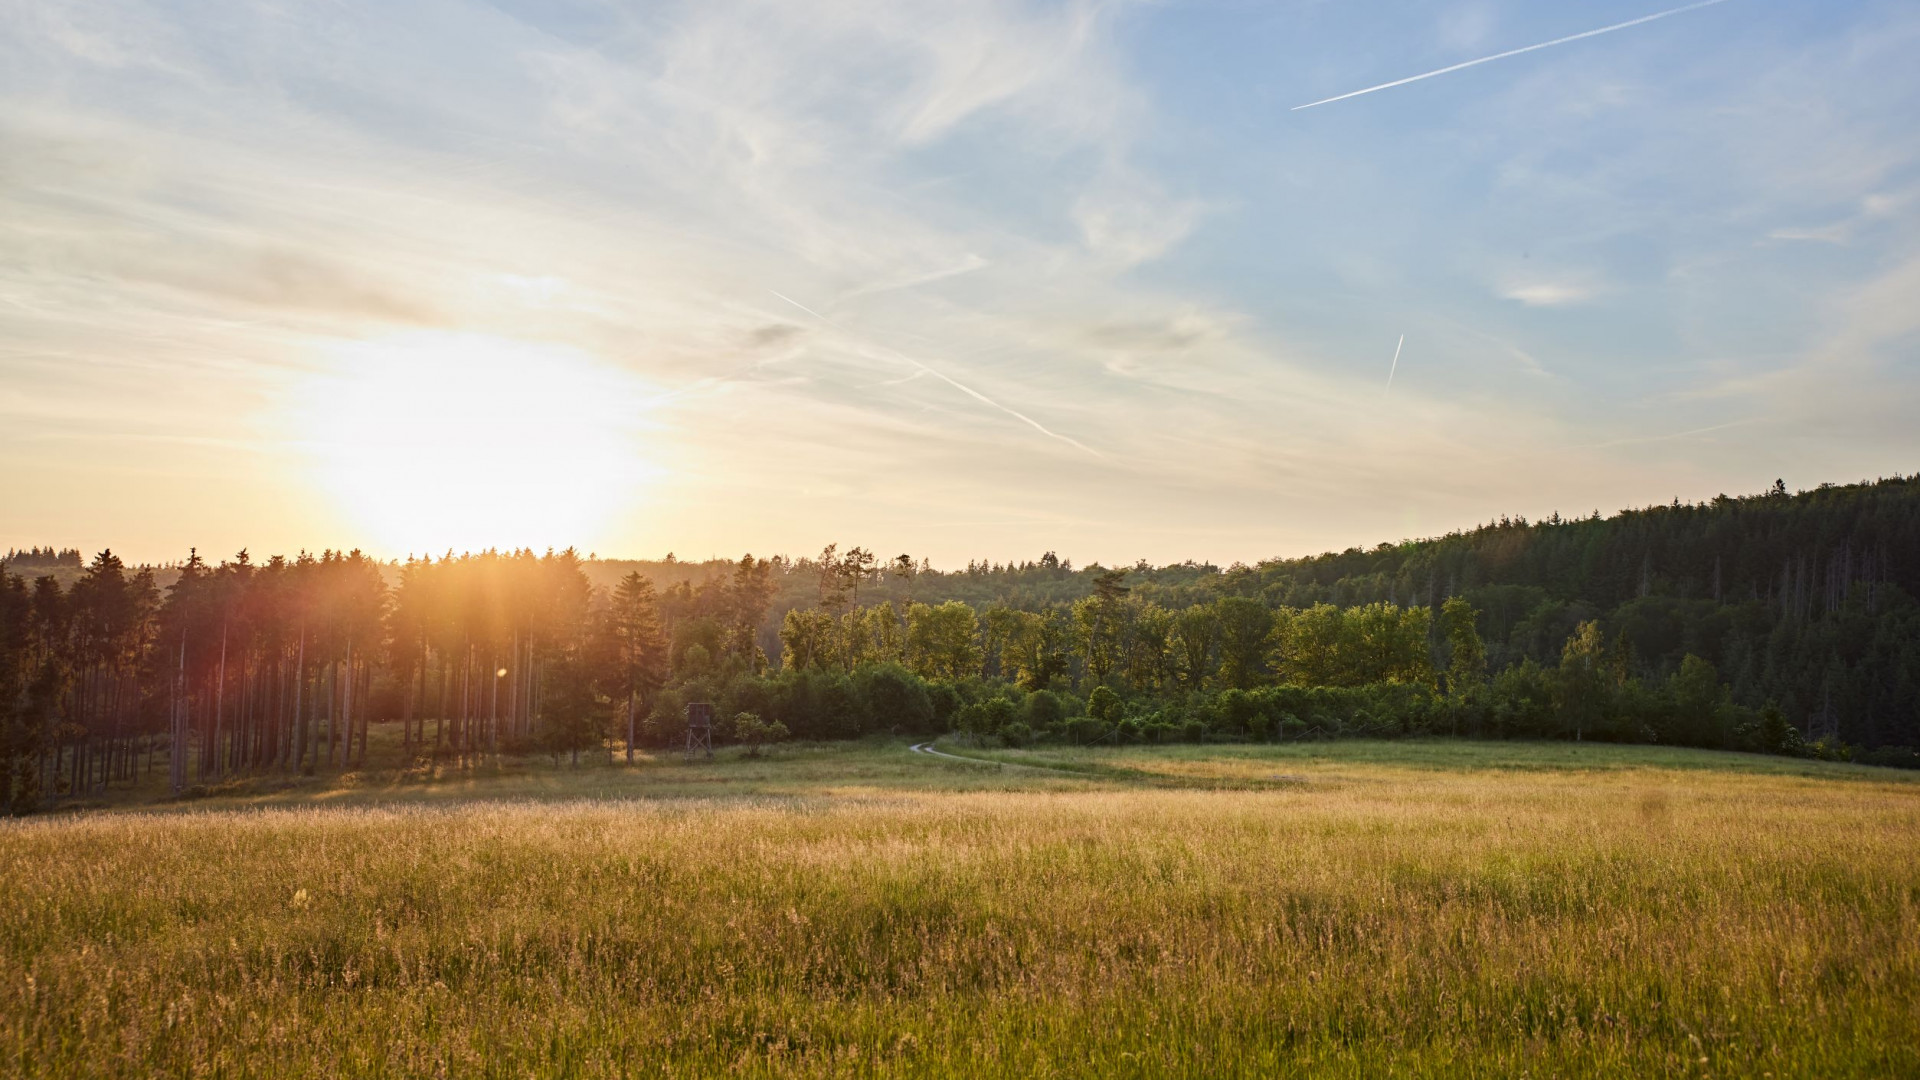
[1722, 549]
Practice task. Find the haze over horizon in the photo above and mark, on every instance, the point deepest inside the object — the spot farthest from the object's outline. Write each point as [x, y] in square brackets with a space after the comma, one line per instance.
[959, 282]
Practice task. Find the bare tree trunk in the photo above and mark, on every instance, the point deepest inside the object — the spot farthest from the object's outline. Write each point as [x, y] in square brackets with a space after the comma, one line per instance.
[366, 714]
[440, 714]
[299, 716]
[333, 709]
[346, 708]
[210, 753]
[177, 737]
[513, 686]
[465, 735]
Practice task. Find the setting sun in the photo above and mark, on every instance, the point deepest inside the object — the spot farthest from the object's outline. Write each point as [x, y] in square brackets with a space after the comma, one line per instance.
[432, 441]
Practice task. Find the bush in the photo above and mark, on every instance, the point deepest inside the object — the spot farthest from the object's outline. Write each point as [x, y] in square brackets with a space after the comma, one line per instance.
[1193, 731]
[989, 717]
[1828, 750]
[896, 699]
[1016, 734]
[1896, 757]
[946, 703]
[1158, 731]
[1082, 730]
[666, 725]
[752, 732]
[1105, 706]
[1045, 710]
[1776, 735]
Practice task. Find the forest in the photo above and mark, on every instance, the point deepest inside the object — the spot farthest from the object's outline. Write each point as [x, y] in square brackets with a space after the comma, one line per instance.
[1778, 623]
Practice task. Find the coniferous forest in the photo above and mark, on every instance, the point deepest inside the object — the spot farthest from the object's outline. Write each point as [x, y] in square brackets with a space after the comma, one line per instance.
[1779, 623]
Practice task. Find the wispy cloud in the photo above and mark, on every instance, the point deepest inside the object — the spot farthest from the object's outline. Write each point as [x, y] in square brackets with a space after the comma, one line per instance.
[1672, 436]
[1837, 233]
[1125, 223]
[1547, 293]
[922, 368]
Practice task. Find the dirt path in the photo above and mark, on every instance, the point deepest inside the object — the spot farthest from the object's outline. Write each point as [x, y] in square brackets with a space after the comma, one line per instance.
[927, 748]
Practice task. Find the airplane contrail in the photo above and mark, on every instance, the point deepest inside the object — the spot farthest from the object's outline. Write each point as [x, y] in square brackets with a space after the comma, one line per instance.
[1396, 360]
[957, 385]
[1512, 52]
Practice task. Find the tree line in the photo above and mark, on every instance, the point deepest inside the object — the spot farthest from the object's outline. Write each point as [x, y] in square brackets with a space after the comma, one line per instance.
[1773, 622]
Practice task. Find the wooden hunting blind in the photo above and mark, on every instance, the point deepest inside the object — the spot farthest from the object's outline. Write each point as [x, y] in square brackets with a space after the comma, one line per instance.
[699, 728]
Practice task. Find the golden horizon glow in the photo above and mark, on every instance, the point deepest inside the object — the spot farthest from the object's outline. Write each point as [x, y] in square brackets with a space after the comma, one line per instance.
[435, 441]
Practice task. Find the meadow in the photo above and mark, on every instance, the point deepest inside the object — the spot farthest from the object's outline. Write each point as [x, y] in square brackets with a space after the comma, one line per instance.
[1418, 908]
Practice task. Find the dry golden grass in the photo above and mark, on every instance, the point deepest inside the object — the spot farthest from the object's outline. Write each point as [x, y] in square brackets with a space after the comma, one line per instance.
[1412, 909]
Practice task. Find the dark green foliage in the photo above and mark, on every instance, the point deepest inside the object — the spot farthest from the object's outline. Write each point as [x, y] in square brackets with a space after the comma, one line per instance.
[750, 731]
[1105, 706]
[896, 699]
[1781, 623]
[1045, 710]
[574, 716]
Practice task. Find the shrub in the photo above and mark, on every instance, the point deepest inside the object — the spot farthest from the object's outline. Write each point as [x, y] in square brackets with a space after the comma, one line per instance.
[1105, 706]
[1897, 757]
[988, 717]
[946, 703]
[1776, 734]
[896, 699]
[1086, 729]
[1045, 710]
[752, 732]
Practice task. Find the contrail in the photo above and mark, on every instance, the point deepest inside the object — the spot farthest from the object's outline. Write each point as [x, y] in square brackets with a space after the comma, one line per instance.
[1512, 52]
[1396, 361]
[808, 310]
[1675, 435]
[962, 387]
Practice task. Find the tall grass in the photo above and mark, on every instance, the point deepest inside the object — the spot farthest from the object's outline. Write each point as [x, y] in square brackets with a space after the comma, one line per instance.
[1372, 919]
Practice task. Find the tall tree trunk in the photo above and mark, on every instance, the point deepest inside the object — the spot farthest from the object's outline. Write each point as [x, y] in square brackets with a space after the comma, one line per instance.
[299, 715]
[333, 709]
[346, 708]
[210, 754]
[366, 714]
[177, 736]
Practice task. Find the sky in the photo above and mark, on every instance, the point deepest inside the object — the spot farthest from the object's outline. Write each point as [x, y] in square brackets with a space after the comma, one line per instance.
[954, 280]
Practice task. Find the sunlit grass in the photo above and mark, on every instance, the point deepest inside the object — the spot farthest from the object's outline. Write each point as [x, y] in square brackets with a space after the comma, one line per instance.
[1424, 909]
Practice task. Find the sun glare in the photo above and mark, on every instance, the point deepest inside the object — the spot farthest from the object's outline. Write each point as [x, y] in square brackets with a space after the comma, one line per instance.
[437, 441]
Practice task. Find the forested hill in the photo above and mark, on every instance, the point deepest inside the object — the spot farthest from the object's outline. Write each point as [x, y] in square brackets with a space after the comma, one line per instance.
[1805, 551]
[1805, 601]
[1802, 553]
